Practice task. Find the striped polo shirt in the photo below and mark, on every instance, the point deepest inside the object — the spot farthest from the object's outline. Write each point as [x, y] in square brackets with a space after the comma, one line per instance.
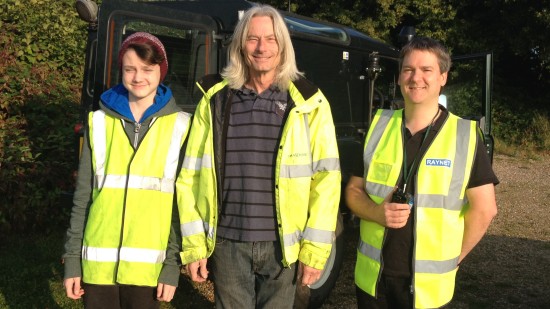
[255, 124]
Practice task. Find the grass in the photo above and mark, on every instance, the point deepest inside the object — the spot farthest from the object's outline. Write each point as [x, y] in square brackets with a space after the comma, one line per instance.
[526, 149]
[531, 142]
[31, 272]
[31, 276]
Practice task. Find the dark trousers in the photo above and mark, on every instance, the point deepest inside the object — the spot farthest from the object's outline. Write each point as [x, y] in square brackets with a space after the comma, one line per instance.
[392, 293]
[120, 297]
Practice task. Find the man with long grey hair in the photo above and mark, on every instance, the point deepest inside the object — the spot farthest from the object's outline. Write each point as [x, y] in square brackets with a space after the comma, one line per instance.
[260, 184]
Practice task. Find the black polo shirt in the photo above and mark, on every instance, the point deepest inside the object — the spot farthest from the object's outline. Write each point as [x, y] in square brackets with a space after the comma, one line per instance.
[397, 252]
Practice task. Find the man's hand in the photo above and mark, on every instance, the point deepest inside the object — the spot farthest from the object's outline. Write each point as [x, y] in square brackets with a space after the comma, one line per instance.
[165, 292]
[72, 288]
[308, 275]
[197, 270]
[388, 214]
[395, 214]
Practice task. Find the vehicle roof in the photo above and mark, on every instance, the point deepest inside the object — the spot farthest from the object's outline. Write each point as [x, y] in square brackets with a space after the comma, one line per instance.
[225, 12]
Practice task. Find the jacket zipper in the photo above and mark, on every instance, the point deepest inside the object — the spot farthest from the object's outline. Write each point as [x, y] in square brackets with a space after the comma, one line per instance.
[137, 126]
[290, 106]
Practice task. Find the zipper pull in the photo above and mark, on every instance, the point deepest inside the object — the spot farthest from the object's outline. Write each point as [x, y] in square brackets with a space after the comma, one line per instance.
[137, 126]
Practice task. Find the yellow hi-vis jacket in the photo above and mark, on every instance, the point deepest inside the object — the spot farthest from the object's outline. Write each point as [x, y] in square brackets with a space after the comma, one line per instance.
[307, 176]
[439, 204]
[127, 231]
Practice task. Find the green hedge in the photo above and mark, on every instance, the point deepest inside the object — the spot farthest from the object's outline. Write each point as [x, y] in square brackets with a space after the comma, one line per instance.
[41, 63]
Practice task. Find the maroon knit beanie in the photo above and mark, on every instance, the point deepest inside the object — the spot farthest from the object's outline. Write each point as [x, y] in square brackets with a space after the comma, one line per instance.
[144, 37]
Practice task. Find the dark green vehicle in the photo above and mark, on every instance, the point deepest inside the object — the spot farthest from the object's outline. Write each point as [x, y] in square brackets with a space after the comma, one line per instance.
[357, 74]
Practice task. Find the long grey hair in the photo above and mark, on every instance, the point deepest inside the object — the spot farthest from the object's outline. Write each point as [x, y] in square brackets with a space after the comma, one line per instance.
[237, 71]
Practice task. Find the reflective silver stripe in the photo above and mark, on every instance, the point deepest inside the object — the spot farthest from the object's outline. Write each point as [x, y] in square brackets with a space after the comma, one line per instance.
[192, 163]
[435, 267]
[370, 251]
[182, 120]
[196, 227]
[192, 228]
[294, 171]
[377, 189]
[461, 157]
[292, 239]
[453, 201]
[127, 254]
[326, 165]
[439, 201]
[310, 234]
[165, 185]
[308, 134]
[305, 170]
[99, 254]
[375, 136]
[99, 143]
[316, 235]
[140, 255]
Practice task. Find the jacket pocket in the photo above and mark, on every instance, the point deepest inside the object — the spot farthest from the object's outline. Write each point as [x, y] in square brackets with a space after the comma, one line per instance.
[379, 172]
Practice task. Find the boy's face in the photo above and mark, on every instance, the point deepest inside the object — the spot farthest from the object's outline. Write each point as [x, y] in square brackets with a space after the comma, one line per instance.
[139, 78]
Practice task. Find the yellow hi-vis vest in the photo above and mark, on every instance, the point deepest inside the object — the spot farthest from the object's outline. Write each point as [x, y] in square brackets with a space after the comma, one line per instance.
[307, 181]
[439, 204]
[128, 226]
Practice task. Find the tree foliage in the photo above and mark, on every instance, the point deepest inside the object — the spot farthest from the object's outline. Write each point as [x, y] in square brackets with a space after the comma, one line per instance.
[516, 31]
[41, 48]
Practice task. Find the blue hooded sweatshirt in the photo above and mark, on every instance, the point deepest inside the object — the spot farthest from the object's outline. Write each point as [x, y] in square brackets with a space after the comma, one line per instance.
[116, 99]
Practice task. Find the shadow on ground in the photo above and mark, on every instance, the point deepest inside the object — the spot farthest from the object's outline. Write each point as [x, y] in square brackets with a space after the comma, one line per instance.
[501, 272]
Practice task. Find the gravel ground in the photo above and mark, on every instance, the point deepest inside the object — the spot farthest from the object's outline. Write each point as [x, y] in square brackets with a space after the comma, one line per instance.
[510, 267]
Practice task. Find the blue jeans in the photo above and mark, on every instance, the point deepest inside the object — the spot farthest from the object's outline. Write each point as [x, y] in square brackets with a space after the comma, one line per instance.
[251, 275]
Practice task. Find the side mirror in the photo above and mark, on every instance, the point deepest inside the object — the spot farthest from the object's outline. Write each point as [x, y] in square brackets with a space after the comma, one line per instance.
[87, 10]
[405, 35]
